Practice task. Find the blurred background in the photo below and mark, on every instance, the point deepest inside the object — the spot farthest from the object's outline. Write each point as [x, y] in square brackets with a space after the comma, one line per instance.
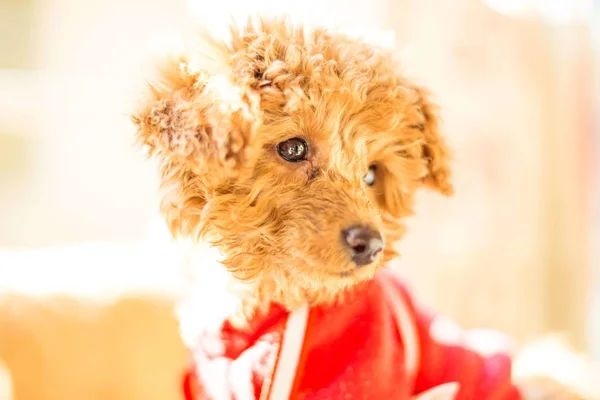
[87, 286]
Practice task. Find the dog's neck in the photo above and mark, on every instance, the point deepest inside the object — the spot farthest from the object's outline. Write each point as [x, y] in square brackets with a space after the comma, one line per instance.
[214, 294]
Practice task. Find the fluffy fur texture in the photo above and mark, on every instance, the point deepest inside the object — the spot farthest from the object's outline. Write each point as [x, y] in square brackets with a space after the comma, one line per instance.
[278, 223]
[214, 127]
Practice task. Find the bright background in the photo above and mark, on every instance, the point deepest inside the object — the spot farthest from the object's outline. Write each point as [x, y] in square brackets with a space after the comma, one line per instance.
[517, 248]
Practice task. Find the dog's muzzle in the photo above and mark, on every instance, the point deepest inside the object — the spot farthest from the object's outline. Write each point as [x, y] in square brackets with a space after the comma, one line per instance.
[364, 244]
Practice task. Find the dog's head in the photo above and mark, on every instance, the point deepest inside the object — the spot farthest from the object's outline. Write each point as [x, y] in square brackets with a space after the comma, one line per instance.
[299, 160]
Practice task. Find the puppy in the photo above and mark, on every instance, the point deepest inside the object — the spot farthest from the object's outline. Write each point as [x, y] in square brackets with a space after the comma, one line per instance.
[297, 153]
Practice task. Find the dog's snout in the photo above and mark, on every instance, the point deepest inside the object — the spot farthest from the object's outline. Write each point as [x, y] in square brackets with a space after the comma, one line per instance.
[364, 244]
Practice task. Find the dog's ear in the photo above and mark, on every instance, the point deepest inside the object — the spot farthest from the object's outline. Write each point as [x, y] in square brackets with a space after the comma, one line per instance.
[203, 121]
[201, 127]
[434, 148]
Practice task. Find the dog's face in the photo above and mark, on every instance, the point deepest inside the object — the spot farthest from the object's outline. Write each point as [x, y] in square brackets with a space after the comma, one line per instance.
[299, 160]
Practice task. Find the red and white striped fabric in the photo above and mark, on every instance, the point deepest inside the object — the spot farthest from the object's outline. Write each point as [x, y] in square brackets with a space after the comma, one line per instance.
[376, 345]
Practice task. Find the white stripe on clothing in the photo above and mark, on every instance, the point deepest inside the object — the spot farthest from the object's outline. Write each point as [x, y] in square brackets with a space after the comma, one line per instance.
[406, 327]
[289, 355]
[446, 391]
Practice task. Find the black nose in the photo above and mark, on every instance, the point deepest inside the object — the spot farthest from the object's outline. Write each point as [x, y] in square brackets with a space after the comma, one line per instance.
[364, 244]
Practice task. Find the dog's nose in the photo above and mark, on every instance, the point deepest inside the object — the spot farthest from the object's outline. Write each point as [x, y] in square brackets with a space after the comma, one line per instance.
[364, 244]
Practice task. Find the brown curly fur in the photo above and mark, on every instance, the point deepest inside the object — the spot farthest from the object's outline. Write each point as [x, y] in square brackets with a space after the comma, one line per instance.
[279, 224]
[215, 130]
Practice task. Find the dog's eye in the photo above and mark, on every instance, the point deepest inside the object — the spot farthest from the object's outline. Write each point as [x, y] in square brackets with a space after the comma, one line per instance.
[369, 177]
[293, 150]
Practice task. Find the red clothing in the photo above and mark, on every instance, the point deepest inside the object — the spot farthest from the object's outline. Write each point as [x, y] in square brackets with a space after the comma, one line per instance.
[377, 345]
